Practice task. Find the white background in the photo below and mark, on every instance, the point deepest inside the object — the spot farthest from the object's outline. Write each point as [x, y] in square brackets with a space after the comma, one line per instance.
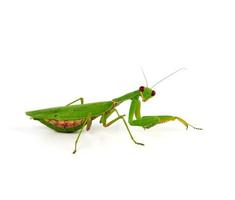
[52, 52]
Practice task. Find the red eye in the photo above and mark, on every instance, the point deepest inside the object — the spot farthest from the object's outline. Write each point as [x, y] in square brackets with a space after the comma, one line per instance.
[153, 93]
[141, 88]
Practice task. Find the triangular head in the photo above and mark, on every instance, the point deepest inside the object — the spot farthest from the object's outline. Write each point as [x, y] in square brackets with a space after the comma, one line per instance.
[146, 93]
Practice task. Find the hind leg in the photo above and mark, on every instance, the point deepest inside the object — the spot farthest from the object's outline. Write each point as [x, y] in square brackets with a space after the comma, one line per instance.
[87, 123]
[79, 99]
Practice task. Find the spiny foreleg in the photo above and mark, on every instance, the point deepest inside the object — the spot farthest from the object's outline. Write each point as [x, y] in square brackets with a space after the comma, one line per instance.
[150, 121]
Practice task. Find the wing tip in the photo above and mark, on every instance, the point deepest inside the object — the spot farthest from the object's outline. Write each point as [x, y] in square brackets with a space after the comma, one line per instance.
[30, 114]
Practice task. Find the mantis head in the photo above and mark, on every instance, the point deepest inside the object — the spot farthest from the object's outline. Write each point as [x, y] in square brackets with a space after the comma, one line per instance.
[146, 93]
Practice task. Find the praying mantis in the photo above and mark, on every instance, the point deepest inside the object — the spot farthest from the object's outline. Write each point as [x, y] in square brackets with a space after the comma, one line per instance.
[71, 118]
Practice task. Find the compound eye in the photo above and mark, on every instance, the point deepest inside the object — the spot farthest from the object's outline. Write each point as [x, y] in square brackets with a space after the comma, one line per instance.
[141, 88]
[153, 93]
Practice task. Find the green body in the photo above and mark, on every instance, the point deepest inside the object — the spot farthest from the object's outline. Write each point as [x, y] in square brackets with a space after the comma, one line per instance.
[72, 112]
[86, 113]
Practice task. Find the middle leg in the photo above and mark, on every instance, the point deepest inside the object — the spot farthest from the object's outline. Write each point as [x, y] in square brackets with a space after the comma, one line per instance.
[105, 124]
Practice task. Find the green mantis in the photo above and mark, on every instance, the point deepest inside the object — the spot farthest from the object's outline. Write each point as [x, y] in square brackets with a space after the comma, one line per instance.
[71, 118]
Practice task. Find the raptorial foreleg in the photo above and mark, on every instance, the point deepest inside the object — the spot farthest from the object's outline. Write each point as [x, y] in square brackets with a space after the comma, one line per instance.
[135, 118]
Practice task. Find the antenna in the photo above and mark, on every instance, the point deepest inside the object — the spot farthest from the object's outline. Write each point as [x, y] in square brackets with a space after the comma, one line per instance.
[146, 81]
[168, 76]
